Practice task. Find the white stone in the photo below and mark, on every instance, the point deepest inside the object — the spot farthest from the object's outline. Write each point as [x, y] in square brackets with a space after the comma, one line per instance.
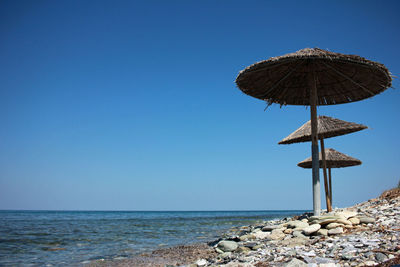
[262, 235]
[295, 263]
[201, 263]
[311, 229]
[346, 214]
[323, 232]
[335, 231]
[310, 253]
[354, 220]
[227, 246]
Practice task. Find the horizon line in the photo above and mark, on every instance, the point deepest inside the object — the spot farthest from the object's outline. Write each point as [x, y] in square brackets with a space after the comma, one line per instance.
[305, 210]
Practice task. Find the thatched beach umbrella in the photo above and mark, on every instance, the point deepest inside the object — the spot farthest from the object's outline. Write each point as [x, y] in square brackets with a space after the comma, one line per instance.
[327, 127]
[334, 159]
[312, 77]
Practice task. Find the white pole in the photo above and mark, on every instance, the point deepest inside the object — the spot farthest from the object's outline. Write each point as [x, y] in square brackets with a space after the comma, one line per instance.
[314, 146]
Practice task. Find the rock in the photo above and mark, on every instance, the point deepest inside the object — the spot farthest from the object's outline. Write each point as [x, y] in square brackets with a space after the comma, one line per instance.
[295, 263]
[333, 225]
[225, 255]
[218, 251]
[354, 221]
[331, 264]
[294, 242]
[347, 256]
[311, 229]
[288, 231]
[251, 244]
[369, 263]
[322, 220]
[344, 221]
[201, 263]
[346, 214]
[320, 260]
[276, 235]
[298, 234]
[245, 228]
[309, 253]
[257, 247]
[243, 249]
[277, 231]
[261, 235]
[236, 264]
[227, 246]
[247, 237]
[335, 231]
[380, 257]
[309, 260]
[314, 218]
[323, 232]
[366, 220]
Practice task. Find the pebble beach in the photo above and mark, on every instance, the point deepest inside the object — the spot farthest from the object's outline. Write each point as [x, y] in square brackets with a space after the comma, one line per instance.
[367, 234]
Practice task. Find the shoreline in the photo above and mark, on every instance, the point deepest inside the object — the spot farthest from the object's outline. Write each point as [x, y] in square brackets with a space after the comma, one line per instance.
[366, 234]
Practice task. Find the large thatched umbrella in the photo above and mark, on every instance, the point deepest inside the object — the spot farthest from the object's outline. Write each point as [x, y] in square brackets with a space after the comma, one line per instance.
[327, 127]
[312, 77]
[334, 159]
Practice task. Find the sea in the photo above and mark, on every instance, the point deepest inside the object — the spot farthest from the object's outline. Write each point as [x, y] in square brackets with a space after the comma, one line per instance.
[75, 238]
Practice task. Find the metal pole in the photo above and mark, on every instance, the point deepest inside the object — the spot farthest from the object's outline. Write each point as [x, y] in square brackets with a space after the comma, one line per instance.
[330, 185]
[314, 146]
[327, 197]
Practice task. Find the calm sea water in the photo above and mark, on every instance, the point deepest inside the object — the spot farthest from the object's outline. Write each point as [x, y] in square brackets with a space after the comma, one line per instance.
[76, 237]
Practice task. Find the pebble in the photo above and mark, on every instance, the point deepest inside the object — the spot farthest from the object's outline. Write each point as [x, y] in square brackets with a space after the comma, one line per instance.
[335, 231]
[344, 237]
[380, 257]
[333, 225]
[366, 220]
[227, 246]
[261, 235]
[201, 263]
[295, 263]
[311, 229]
[323, 232]
[354, 221]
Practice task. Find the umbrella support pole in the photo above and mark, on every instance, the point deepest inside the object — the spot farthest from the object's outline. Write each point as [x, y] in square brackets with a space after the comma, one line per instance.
[327, 194]
[314, 146]
[330, 185]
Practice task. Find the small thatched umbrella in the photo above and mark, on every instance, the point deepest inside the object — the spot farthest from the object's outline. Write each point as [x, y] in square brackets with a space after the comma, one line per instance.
[313, 77]
[327, 127]
[334, 159]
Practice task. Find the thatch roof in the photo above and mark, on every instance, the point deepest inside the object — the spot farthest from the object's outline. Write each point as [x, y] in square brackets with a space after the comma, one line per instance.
[334, 159]
[340, 78]
[327, 127]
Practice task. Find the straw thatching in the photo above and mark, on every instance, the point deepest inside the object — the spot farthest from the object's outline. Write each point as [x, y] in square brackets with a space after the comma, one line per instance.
[327, 127]
[334, 159]
[340, 78]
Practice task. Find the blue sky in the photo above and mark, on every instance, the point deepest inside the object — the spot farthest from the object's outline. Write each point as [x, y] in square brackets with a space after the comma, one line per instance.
[132, 105]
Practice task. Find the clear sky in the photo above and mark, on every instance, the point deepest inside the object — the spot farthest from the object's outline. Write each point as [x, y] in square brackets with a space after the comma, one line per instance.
[132, 105]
